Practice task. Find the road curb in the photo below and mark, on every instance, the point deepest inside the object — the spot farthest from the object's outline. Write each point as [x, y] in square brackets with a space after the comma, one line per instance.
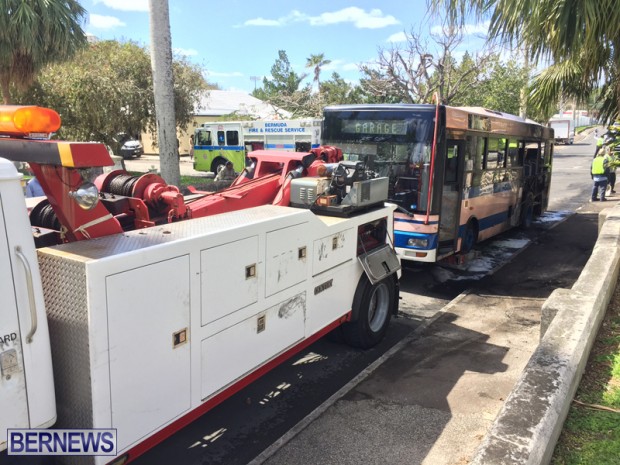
[530, 421]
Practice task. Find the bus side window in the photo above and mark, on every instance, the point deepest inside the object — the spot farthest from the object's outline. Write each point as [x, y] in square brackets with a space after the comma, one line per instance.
[474, 154]
[452, 163]
[232, 137]
[530, 162]
[220, 138]
[501, 153]
[513, 153]
[493, 156]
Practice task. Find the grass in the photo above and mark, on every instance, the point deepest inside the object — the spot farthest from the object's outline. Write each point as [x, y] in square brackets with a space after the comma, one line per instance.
[591, 434]
[580, 129]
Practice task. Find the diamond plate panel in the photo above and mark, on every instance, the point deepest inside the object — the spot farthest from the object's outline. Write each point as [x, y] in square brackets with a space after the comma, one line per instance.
[64, 289]
[148, 237]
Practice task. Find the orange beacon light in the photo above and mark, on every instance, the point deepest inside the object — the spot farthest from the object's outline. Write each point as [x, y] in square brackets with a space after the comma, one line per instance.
[28, 121]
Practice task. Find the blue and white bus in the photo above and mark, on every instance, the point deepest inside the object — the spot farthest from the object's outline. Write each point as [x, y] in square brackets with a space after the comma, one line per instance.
[458, 175]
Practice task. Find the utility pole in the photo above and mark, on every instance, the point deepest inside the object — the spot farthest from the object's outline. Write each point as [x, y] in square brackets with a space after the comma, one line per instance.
[255, 79]
[163, 88]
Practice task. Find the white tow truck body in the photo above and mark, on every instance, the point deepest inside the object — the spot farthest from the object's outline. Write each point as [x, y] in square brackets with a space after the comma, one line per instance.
[150, 328]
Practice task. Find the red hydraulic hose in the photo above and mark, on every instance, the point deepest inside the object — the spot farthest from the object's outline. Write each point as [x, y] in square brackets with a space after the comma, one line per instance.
[433, 149]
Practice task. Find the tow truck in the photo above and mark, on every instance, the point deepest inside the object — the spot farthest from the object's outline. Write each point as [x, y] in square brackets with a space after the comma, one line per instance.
[132, 308]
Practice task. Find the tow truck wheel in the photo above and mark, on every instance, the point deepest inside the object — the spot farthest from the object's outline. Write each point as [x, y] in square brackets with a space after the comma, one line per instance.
[373, 306]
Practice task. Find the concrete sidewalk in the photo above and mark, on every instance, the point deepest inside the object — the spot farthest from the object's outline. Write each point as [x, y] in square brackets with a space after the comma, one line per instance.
[464, 388]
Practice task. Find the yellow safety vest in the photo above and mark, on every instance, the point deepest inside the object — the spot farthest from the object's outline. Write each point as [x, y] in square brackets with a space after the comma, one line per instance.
[598, 165]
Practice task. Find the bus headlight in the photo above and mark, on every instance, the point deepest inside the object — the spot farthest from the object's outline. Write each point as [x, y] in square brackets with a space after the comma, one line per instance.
[419, 242]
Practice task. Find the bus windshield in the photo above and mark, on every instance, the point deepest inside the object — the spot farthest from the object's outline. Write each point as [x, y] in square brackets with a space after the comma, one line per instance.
[394, 144]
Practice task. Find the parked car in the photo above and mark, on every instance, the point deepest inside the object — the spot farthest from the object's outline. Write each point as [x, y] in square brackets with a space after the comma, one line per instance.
[132, 148]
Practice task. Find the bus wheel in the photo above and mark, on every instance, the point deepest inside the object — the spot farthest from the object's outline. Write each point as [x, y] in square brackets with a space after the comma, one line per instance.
[373, 306]
[218, 164]
[527, 211]
[470, 237]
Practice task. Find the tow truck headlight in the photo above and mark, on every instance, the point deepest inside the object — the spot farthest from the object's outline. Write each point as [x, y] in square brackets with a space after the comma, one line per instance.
[418, 242]
[86, 195]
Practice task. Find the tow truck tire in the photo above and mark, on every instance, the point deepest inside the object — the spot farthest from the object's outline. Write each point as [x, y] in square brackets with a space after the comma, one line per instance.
[373, 306]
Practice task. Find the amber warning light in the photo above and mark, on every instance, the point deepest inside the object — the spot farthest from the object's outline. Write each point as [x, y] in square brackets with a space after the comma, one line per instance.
[28, 121]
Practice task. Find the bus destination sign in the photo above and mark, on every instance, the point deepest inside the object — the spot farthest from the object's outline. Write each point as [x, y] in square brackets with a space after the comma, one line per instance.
[375, 127]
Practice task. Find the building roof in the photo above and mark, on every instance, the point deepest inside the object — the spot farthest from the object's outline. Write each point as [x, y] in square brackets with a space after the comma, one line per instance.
[225, 102]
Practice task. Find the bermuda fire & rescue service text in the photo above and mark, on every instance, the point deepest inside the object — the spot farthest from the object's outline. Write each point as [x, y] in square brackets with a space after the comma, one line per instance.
[276, 127]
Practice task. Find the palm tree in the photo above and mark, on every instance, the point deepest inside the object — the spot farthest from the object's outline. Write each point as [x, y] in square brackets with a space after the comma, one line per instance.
[580, 38]
[34, 33]
[163, 89]
[316, 62]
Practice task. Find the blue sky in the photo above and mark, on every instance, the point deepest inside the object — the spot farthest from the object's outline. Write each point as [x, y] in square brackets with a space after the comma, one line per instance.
[235, 41]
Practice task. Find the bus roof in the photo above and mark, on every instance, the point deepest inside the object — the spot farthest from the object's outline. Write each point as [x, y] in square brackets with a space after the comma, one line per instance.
[456, 115]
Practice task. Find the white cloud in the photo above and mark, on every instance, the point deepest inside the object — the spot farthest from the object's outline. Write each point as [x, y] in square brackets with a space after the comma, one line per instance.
[263, 22]
[339, 65]
[125, 5]
[477, 28]
[360, 18]
[467, 29]
[398, 37]
[351, 67]
[105, 22]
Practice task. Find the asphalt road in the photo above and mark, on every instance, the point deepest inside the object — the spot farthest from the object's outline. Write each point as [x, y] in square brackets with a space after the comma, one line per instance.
[433, 400]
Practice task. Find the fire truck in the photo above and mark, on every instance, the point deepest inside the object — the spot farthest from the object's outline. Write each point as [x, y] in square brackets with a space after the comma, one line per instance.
[130, 307]
[218, 142]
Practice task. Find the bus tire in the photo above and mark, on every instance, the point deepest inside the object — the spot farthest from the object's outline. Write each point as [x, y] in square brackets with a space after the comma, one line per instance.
[470, 236]
[373, 306]
[218, 164]
[527, 211]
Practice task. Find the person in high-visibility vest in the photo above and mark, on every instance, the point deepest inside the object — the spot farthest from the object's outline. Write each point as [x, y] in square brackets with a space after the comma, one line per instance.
[613, 163]
[599, 144]
[599, 171]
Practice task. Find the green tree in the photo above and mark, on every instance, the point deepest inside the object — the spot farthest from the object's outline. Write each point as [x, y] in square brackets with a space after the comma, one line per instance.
[580, 38]
[34, 33]
[283, 79]
[338, 91]
[283, 89]
[107, 89]
[415, 71]
[497, 88]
